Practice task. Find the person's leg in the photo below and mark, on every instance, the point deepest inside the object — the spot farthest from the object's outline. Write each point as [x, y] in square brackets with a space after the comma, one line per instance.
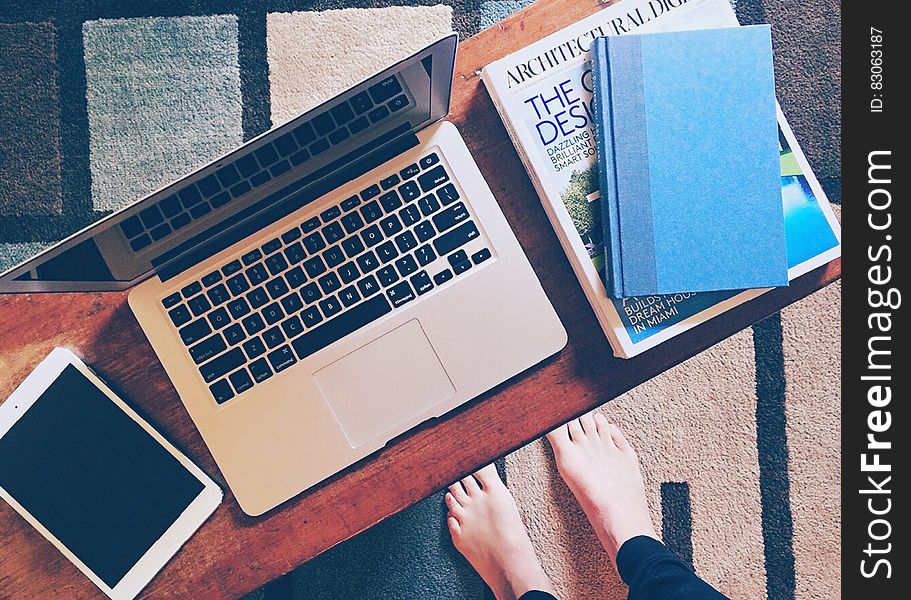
[601, 468]
[487, 529]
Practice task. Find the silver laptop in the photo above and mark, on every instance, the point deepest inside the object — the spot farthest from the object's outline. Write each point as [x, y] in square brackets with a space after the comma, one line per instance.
[325, 287]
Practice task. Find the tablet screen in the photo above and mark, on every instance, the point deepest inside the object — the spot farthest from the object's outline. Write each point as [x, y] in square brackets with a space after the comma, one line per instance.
[93, 476]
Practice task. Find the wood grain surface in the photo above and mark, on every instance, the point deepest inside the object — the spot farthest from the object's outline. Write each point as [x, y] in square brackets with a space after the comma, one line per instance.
[232, 553]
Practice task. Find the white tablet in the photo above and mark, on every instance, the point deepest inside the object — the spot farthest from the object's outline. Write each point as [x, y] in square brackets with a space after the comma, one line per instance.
[95, 479]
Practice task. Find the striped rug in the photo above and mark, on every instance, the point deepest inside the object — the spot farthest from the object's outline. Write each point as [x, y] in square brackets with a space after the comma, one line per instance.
[103, 101]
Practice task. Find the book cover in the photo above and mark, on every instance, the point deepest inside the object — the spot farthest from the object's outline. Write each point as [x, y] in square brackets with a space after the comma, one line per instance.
[634, 324]
[691, 167]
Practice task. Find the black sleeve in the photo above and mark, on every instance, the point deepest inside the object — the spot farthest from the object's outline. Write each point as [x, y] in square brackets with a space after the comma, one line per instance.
[653, 573]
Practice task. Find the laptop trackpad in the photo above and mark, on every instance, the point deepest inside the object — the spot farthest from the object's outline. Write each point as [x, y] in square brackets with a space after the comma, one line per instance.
[384, 383]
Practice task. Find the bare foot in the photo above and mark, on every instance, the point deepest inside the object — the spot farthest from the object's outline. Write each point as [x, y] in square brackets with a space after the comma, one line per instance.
[601, 468]
[487, 529]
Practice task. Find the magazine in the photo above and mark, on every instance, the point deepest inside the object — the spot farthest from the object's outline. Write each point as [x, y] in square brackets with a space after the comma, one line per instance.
[543, 95]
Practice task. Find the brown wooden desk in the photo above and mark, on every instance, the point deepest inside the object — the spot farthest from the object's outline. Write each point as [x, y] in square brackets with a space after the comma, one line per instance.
[233, 554]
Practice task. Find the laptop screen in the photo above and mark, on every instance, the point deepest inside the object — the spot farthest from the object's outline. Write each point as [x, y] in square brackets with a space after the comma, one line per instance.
[303, 155]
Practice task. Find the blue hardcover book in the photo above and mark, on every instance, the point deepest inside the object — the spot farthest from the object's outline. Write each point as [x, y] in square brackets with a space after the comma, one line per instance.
[689, 161]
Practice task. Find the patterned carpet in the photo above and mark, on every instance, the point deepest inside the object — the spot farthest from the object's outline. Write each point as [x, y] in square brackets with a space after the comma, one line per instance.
[102, 101]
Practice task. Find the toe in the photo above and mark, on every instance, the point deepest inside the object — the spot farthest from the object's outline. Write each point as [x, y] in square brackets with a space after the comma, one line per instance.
[471, 486]
[602, 425]
[559, 438]
[458, 492]
[575, 430]
[455, 529]
[489, 477]
[588, 425]
[619, 439]
[453, 505]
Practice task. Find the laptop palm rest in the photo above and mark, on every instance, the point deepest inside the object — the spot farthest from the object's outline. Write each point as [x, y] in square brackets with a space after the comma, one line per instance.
[384, 383]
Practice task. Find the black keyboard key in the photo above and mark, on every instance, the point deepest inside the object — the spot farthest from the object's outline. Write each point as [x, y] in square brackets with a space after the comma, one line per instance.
[238, 284]
[200, 210]
[330, 306]
[455, 238]
[371, 211]
[234, 334]
[223, 198]
[359, 124]
[180, 315]
[279, 168]
[329, 283]
[310, 224]
[241, 381]
[141, 242]
[310, 293]
[350, 203]
[211, 279]
[448, 194]
[170, 206]
[208, 348]
[428, 205]
[257, 274]
[386, 252]
[252, 256]
[238, 190]
[405, 241]
[368, 261]
[292, 303]
[260, 178]
[372, 192]
[219, 318]
[387, 276]
[390, 181]
[433, 178]
[254, 348]
[461, 267]
[195, 331]
[349, 296]
[339, 135]
[424, 231]
[238, 308]
[314, 266]
[406, 265]
[190, 196]
[253, 324]
[400, 293]
[323, 123]
[334, 256]
[342, 113]
[282, 358]
[151, 216]
[247, 165]
[273, 337]
[398, 103]
[221, 391]
[266, 155]
[429, 160]
[378, 114]
[410, 171]
[299, 157]
[188, 291]
[296, 277]
[450, 217]
[295, 253]
[358, 316]
[198, 305]
[227, 175]
[285, 144]
[368, 286]
[442, 277]
[421, 283]
[457, 257]
[409, 191]
[390, 201]
[480, 256]
[391, 225]
[361, 103]
[276, 264]
[231, 268]
[173, 299]
[291, 235]
[131, 226]
[304, 134]
[352, 222]
[260, 370]
[348, 272]
[352, 246]
[372, 236]
[277, 287]
[319, 146]
[181, 220]
[222, 365]
[385, 89]
[292, 327]
[209, 185]
[257, 297]
[273, 313]
[311, 316]
[425, 255]
[218, 294]
[333, 232]
[314, 242]
[159, 232]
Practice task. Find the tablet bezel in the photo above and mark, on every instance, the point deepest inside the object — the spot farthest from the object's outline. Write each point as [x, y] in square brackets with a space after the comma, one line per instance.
[155, 558]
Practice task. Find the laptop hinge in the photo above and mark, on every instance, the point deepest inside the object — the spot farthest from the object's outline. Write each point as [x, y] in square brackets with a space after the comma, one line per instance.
[283, 202]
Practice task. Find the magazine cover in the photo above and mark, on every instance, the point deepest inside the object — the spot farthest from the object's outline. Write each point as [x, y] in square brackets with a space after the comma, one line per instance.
[544, 95]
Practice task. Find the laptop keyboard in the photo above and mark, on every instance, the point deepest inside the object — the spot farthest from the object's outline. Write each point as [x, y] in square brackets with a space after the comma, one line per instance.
[273, 159]
[336, 272]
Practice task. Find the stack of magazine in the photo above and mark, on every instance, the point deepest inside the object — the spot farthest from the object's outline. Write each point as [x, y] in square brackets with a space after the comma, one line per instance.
[544, 96]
